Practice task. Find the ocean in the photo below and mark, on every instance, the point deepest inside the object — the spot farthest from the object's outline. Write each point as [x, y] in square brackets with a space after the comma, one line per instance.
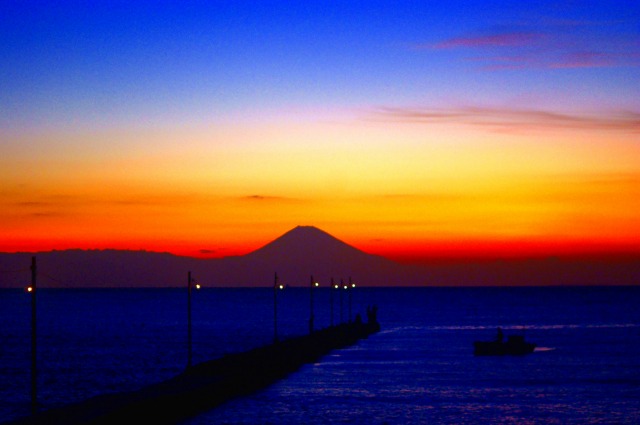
[419, 368]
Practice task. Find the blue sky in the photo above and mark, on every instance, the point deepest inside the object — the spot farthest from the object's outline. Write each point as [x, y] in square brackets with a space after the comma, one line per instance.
[79, 63]
[212, 126]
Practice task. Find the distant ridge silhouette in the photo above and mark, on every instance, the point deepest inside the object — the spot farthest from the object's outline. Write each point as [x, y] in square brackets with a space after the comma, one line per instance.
[295, 255]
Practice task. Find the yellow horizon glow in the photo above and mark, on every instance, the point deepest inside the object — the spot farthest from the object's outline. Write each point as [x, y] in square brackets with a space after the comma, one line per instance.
[385, 187]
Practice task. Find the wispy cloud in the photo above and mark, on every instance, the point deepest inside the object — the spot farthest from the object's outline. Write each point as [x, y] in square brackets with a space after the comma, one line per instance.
[491, 40]
[268, 198]
[261, 198]
[46, 214]
[56, 205]
[586, 60]
[566, 60]
[512, 119]
[545, 46]
[434, 197]
[33, 204]
[38, 209]
[153, 200]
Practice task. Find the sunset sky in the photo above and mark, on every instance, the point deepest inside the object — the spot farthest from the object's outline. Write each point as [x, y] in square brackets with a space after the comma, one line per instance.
[410, 129]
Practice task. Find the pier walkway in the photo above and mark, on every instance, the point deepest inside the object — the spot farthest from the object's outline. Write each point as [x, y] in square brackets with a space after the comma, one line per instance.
[206, 385]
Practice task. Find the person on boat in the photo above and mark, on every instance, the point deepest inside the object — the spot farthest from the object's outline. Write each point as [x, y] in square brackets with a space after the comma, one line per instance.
[500, 335]
[372, 313]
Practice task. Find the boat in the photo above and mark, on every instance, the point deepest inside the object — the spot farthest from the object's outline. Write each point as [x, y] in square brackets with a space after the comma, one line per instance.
[514, 345]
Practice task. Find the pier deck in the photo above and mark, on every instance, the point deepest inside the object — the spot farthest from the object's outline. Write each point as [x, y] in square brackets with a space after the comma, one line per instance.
[206, 385]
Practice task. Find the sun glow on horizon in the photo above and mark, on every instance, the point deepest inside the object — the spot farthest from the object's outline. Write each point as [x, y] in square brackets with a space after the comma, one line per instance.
[460, 141]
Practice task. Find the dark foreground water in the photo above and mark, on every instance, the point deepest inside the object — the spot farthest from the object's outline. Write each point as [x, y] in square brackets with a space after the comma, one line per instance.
[419, 369]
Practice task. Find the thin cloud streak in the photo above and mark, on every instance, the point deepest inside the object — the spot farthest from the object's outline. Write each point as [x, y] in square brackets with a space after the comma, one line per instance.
[555, 47]
[435, 197]
[587, 60]
[33, 204]
[511, 118]
[567, 60]
[268, 198]
[492, 40]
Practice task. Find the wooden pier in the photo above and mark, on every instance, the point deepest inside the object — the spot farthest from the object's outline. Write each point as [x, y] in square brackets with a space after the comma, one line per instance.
[204, 386]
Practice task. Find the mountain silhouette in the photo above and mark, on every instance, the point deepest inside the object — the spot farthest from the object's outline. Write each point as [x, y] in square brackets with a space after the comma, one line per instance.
[304, 243]
[296, 255]
[307, 250]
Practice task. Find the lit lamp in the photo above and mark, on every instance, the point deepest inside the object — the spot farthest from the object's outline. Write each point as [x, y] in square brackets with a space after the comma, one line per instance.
[312, 284]
[190, 282]
[34, 371]
[350, 288]
[331, 289]
[276, 287]
[342, 285]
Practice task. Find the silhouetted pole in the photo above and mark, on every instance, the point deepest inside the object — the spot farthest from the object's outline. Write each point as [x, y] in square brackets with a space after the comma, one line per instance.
[350, 290]
[311, 304]
[341, 315]
[275, 308]
[34, 374]
[190, 351]
[331, 289]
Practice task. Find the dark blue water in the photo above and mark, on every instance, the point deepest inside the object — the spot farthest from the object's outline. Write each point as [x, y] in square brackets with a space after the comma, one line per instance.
[419, 369]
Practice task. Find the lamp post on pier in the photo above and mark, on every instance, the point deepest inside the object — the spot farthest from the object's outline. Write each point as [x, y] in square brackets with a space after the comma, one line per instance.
[34, 363]
[331, 289]
[312, 285]
[190, 282]
[189, 349]
[276, 287]
[341, 287]
[350, 289]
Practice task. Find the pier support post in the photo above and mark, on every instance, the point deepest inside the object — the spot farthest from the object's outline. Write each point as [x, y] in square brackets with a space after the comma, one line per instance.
[311, 318]
[275, 308]
[341, 290]
[189, 342]
[331, 289]
[34, 339]
[350, 290]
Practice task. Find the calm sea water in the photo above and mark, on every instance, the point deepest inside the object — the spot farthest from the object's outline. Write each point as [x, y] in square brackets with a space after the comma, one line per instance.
[419, 369]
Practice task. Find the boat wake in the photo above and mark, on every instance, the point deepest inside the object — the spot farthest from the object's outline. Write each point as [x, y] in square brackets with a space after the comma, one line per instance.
[541, 327]
[544, 349]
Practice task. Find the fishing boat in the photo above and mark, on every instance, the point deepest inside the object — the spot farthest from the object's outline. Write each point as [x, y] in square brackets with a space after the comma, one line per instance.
[514, 345]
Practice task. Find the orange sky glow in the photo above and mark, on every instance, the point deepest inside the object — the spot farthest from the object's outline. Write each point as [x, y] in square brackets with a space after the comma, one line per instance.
[402, 190]
[463, 141]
